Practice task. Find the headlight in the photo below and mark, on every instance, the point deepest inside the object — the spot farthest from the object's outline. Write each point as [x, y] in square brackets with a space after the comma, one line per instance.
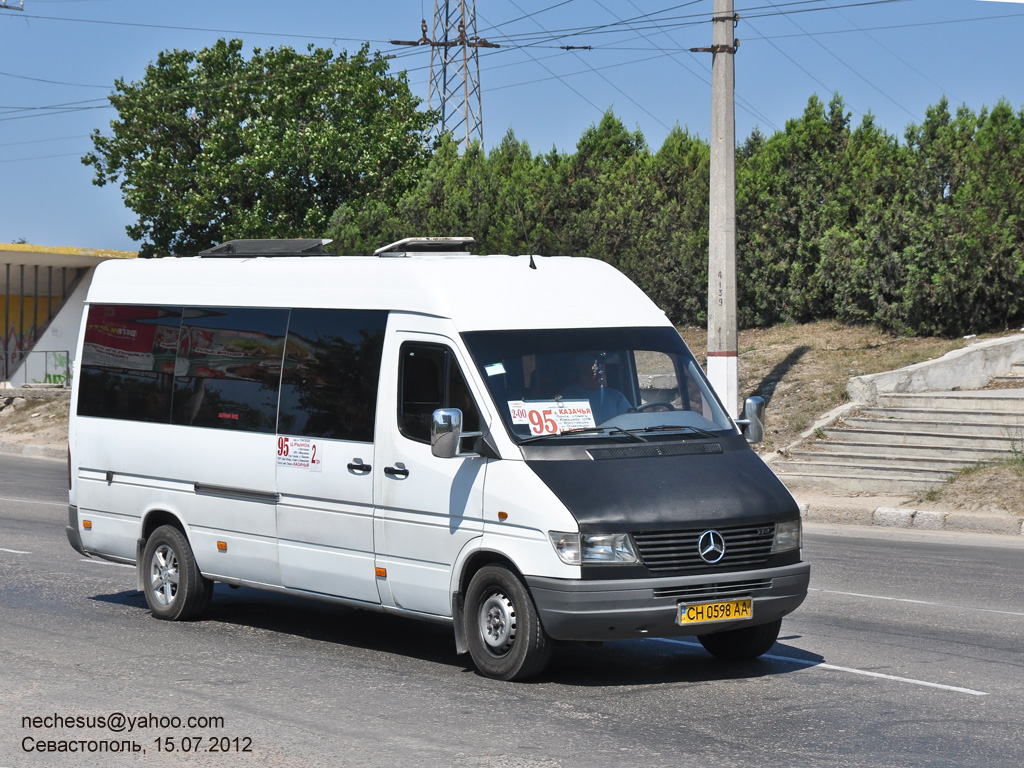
[606, 548]
[787, 536]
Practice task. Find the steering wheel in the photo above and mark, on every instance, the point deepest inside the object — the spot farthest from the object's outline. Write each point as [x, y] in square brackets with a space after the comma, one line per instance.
[658, 405]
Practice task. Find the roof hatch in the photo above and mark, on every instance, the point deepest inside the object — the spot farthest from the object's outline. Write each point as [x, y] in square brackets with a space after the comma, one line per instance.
[243, 249]
[410, 246]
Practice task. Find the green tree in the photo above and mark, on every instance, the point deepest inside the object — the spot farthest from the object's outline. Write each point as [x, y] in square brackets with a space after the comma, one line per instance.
[788, 194]
[675, 260]
[862, 252]
[212, 146]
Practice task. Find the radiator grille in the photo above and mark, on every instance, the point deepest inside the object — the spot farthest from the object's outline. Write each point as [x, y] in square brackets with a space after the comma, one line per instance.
[745, 546]
[724, 591]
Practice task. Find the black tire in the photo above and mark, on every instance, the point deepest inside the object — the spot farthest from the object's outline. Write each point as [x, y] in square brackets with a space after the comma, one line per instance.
[175, 589]
[503, 630]
[744, 643]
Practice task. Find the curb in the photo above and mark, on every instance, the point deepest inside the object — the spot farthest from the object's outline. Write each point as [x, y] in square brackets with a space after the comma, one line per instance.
[918, 519]
[36, 451]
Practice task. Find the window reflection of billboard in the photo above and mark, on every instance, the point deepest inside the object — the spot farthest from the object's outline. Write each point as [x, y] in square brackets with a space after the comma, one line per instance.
[233, 358]
[223, 368]
[331, 369]
[128, 360]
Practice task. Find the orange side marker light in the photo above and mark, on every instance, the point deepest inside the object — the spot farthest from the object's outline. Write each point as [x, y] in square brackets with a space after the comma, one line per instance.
[87, 524]
[222, 546]
[382, 573]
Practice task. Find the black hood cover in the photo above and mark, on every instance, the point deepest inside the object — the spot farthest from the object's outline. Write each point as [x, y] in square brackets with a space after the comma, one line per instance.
[665, 492]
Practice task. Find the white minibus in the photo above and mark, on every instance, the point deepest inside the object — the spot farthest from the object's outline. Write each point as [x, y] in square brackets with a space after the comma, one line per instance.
[520, 447]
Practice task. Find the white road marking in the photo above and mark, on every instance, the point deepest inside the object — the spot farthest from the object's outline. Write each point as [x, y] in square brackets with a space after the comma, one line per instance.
[15, 551]
[918, 602]
[851, 670]
[33, 501]
[106, 562]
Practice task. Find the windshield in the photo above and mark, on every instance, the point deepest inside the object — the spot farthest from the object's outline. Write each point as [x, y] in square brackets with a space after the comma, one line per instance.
[595, 381]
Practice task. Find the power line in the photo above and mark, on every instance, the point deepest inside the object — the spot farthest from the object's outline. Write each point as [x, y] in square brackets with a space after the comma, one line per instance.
[533, 13]
[744, 104]
[686, 20]
[613, 85]
[826, 49]
[41, 157]
[891, 52]
[12, 110]
[908, 25]
[802, 68]
[55, 112]
[556, 76]
[51, 82]
[43, 141]
[181, 28]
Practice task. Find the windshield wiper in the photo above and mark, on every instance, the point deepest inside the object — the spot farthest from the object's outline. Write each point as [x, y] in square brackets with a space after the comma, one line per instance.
[584, 430]
[677, 428]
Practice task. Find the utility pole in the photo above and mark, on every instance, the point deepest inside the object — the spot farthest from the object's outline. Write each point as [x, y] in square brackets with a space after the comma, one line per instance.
[455, 69]
[4, 6]
[723, 345]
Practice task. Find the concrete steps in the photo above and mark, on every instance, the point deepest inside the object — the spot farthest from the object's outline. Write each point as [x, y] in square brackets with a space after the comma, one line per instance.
[1015, 377]
[910, 443]
[951, 437]
[924, 415]
[931, 424]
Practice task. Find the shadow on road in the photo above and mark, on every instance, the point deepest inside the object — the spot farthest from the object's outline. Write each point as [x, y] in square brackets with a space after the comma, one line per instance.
[622, 663]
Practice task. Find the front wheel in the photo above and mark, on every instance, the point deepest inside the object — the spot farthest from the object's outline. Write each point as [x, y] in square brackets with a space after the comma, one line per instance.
[741, 644]
[175, 589]
[505, 637]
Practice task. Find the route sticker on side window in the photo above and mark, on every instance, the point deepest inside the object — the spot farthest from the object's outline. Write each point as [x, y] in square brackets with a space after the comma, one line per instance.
[551, 417]
[301, 453]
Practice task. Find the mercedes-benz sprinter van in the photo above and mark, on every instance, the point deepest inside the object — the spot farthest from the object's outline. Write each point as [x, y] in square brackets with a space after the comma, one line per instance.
[520, 447]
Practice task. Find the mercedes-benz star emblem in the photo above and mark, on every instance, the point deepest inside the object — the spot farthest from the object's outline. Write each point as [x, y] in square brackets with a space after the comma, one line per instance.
[711, 547]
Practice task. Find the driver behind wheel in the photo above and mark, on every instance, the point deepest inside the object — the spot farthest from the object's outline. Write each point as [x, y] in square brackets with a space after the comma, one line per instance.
[589, 384]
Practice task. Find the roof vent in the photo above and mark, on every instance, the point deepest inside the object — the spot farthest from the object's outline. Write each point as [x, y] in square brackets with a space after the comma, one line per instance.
[244, 249]
[410, 246]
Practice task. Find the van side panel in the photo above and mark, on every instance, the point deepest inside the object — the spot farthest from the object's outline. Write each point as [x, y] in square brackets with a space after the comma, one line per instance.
[220, 483]
[325, 522]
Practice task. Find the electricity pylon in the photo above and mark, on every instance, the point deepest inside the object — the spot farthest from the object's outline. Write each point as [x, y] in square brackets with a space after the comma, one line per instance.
[455, 69]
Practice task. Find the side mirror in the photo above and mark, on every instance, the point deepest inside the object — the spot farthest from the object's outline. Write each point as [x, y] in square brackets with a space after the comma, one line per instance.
[752, 423]
[445, 432]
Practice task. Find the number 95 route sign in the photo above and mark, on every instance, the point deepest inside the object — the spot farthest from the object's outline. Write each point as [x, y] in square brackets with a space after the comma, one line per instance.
[551, 417]
[300, 452]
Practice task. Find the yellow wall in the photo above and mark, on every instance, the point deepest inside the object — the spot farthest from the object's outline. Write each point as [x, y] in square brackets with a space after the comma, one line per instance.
[36, 312]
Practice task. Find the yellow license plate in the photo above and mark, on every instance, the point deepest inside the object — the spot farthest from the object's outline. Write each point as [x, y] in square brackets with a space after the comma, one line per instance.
[705, 613]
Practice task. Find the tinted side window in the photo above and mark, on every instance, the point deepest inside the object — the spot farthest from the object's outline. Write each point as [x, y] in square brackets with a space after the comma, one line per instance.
[128, 361]
[430, 379]
[229, 368]
[331, 368]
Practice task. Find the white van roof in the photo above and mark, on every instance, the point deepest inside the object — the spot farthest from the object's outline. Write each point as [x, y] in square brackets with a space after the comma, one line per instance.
[476, 292]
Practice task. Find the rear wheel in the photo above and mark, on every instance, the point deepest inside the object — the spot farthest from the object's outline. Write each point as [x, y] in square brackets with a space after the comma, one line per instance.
[175, 589]
[503, 630]
[744, 643]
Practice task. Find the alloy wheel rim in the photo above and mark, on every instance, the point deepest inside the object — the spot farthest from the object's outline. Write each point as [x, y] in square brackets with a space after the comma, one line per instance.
[164, 575]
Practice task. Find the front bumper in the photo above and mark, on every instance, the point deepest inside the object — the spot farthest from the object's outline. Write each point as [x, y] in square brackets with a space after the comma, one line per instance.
[632, 608]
